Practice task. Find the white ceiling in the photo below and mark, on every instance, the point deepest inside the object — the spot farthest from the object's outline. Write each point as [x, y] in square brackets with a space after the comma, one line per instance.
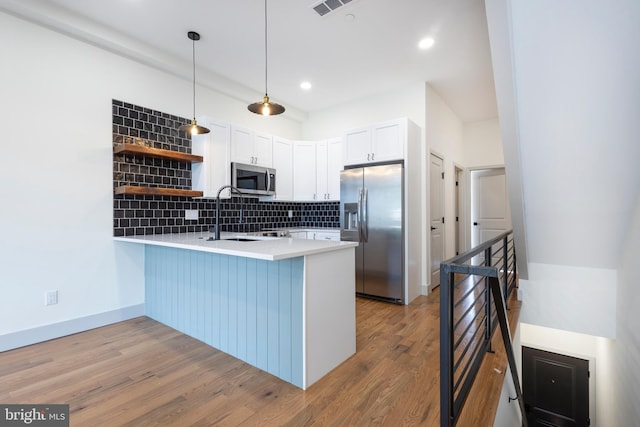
[344, 60]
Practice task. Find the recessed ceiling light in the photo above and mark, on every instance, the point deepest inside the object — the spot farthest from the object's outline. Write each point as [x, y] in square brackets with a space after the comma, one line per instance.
[349, 17]
[426, 43]
[305, 85]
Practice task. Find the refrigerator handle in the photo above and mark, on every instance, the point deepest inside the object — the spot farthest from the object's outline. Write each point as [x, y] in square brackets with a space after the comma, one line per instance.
[365, 216]
[359, 215]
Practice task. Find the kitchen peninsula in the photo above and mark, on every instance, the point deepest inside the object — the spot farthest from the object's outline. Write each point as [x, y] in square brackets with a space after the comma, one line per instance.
[286, 306]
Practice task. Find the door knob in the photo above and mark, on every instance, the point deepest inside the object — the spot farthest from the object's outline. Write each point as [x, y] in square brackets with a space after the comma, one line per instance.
[475, 223]
[433, 228]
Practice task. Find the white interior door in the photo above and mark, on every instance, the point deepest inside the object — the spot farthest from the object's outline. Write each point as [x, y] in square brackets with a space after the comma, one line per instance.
[490, 214]
[436, 221]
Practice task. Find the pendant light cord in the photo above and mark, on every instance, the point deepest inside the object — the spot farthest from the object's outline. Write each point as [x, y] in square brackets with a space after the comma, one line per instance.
[193, 44]
[266, 92]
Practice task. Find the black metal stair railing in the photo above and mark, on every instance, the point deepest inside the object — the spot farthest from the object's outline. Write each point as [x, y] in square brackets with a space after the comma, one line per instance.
[474, 288]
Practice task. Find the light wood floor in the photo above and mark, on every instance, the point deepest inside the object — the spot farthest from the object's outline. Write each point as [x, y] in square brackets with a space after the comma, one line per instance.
[140, 372]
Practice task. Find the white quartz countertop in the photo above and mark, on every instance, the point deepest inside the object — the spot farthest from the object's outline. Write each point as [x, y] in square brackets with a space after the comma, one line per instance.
[266, 248]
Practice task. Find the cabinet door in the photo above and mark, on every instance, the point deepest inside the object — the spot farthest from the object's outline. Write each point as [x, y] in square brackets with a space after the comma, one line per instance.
[321, 170]
[388, 141]
[327, 235]
[214, 171]
[298, 235]
[262, 149]
[357, 146]
[304, 170]
[283, 164]
[334, 166]
[242, 145]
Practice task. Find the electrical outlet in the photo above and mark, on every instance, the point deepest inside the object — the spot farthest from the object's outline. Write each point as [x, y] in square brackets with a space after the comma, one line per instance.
[51, 298]
[191, 214]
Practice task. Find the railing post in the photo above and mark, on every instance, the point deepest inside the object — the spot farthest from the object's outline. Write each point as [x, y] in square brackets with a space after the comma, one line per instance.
[508, 346]
[515, 265]
[505, 275]
[446, 346]
[487, 321]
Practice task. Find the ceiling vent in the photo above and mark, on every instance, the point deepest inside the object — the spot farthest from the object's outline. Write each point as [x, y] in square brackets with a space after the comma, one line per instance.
[327, 6]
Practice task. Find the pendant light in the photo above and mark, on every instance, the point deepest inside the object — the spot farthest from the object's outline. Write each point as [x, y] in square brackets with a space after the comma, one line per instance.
[193, 128]
[265, 107]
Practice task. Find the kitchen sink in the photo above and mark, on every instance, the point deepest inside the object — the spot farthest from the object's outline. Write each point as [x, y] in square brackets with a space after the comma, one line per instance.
[241, 239]
[235, 239]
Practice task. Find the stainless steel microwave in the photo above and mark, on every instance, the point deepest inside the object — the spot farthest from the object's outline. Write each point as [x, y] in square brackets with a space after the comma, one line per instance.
[253, 179]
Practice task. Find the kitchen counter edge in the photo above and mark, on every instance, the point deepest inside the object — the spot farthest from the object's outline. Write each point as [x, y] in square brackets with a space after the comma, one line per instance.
[266, 249]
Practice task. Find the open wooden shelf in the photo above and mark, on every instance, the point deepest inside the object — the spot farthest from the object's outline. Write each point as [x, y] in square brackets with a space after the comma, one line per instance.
[156, 191]
[158, 153]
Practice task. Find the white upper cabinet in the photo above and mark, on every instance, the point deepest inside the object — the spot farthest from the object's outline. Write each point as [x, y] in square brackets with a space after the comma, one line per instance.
[263, 149]
[250, 147]
[321, 170]
[283, 164]
[215, 169]
[304, 170]
[388, 140]
[328, 167]
[334, 166]
[357, 146]
[376, 143]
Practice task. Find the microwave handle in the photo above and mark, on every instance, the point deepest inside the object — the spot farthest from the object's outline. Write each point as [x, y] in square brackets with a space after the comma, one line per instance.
[268, 180]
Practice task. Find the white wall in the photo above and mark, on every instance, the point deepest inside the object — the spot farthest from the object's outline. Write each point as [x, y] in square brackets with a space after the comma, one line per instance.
[56, 180]
[405, 101]
[443, 137]
[577, 299]
[568, 100]
[508, 412]
[482, 144]
[576, 78]
[626, 353]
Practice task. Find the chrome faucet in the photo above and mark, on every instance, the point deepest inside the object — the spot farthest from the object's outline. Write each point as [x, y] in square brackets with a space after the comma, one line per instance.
[218, 206]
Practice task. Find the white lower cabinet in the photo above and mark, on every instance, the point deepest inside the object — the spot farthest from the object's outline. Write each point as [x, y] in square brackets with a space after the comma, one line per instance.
[316, 235]
[324, 235]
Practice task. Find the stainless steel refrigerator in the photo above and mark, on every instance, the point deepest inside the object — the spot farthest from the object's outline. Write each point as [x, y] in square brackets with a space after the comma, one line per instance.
[371, 212]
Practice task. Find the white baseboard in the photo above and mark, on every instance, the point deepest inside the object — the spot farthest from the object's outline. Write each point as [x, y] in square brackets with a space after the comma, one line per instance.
[26, 337]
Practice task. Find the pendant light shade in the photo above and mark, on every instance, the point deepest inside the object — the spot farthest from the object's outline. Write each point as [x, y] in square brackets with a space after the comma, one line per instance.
[193, 128]
[266, 107]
